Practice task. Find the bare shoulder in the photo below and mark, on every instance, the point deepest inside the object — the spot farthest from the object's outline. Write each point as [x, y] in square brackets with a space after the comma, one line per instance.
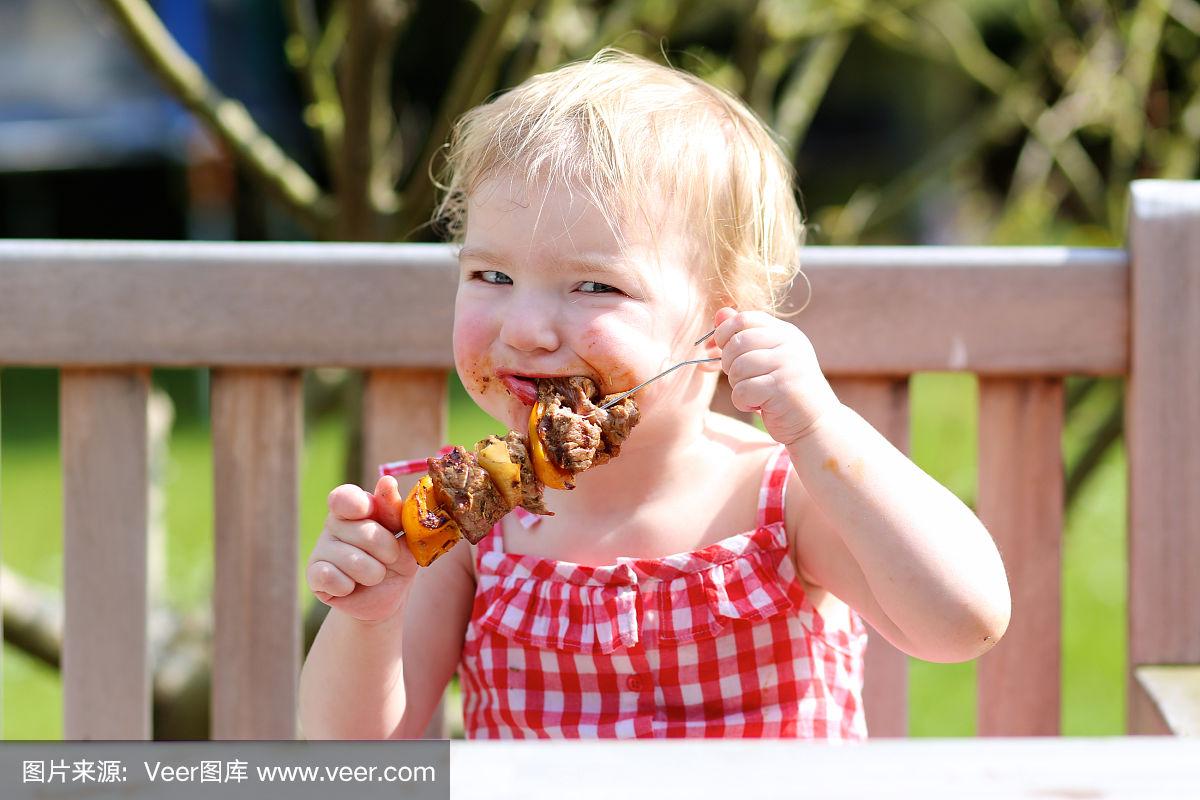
[808, 531]
[739, 451]
[754, 447]
[739, 454]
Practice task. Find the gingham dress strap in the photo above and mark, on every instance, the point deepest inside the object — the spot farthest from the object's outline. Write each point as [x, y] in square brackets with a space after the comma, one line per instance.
[409, 467]
[494, 541]
[774, 488]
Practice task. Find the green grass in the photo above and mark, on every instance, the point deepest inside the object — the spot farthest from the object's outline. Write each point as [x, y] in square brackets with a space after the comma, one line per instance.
[1094, 603]
[942, 701]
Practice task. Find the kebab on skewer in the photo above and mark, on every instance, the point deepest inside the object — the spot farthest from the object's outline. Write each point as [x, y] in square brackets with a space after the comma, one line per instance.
[465, 493]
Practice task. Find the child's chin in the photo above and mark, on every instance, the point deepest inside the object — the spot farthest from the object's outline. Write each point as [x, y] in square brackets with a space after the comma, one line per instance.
[508, 412]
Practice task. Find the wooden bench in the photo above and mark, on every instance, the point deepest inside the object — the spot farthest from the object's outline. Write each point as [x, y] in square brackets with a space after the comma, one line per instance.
[257, 314]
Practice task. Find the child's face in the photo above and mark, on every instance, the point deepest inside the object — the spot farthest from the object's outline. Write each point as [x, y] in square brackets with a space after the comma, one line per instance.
[546, 289]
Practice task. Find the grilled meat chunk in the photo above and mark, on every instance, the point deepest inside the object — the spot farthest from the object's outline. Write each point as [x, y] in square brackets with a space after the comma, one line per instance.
[467, 493]
[577, 434]
[615, 424]
[531, 490]
[571, 439]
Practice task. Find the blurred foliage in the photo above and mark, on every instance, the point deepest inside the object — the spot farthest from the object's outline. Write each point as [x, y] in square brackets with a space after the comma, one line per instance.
[924, 121]
[999, 121]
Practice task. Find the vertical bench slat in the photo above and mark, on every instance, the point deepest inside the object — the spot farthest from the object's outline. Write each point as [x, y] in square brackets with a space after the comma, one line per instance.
[256, 425]
[1163, 430]
[1021, 503]
[105, 660]
[404, 416]
[883, 402]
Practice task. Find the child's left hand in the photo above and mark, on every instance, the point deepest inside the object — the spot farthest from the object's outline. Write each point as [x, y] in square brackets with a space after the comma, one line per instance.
[773, 370]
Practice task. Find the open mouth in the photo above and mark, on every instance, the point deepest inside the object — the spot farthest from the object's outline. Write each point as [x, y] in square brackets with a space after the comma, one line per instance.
[522, 387]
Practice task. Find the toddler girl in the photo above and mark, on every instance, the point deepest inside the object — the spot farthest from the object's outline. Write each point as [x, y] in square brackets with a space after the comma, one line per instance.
[712, 580]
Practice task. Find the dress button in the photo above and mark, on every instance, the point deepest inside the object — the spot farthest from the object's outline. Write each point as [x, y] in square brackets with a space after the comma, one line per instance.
[633, 683]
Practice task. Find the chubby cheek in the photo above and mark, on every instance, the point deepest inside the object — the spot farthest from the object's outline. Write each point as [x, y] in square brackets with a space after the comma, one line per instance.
[472, 354]
[626, 355]
[476, 377]
[621, 357]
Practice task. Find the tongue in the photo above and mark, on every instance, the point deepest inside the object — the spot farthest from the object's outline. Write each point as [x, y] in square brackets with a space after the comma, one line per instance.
[524, 390]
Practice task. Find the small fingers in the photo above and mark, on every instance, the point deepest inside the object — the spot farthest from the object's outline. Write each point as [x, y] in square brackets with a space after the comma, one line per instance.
[387, 486]
[729, 322]
[349, 502]
[751, 365]
[326, 579]
[359, 566]
[751, 394]
[748, 342]
[722, 316]
[366, 535]
[387, 503]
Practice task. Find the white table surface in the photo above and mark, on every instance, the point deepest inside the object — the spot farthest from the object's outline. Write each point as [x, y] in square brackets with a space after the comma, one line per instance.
[1145, 768]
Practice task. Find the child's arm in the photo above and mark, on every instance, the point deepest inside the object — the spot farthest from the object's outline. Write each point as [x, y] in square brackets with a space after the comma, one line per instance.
[372, 675]
[892, 542]
[870, 526]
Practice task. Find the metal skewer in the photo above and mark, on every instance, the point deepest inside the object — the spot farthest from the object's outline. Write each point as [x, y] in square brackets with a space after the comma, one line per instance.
[623, 395]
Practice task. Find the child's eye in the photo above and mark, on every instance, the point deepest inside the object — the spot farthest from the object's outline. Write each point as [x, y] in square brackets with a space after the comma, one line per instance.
[491, 276]
[594, 287]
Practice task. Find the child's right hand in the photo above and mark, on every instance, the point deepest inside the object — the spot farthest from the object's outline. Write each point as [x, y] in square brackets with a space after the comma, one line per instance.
[357, 566]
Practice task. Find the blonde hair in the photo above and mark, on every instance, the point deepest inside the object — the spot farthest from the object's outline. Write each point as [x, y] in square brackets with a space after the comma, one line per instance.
[625, 129]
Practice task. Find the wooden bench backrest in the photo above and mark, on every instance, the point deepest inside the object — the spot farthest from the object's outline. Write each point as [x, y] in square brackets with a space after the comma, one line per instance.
[257, 314]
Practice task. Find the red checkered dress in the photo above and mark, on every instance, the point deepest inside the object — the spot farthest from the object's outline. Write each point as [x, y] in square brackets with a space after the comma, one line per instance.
[721, 641]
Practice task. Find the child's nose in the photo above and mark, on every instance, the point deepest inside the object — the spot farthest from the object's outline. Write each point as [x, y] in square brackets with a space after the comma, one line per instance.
[530, 326]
